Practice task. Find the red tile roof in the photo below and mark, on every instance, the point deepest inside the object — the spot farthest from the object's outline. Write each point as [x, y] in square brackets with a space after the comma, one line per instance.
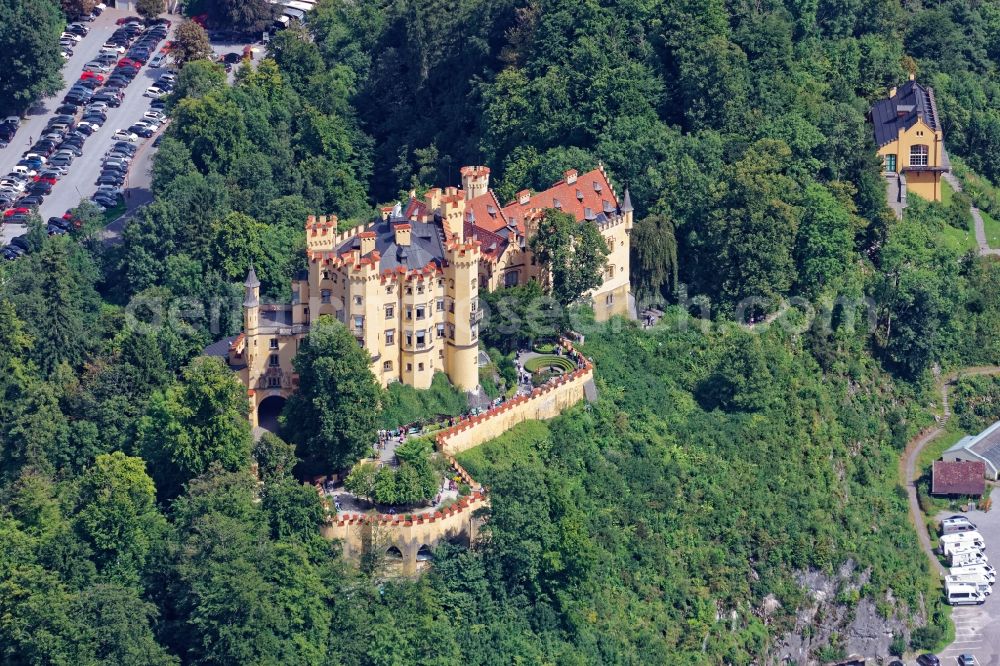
[961, 477]
[591, 190]
[492, 245]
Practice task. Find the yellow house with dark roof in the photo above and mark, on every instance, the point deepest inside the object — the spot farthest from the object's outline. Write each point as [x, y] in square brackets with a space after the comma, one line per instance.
[908, 135]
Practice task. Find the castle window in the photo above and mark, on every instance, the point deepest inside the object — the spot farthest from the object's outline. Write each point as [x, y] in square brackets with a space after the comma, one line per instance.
[440, 330]
[390, 312]
[388, 289]
[440, 305]
[420, 367]
[918, 155]
[409, 291]
[510, 279]
[609, 272]
[357, 300]
[409, 338]
[274, 361]
[420, 288]
[440, 353]
[274, 382]
[295, 297]
[920, 132]
[274, 343]
[409, 314]
[421, 339]
[390, 337]
[609, 299]
[474, 283]
[387, 366]
[359, 322]
[474, 331]
[451, 331]
[324, 296]
[440, 282]
[409, 367]
[421, 312]
[326, 275]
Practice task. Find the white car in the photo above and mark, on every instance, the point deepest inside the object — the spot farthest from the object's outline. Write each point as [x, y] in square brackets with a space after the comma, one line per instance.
[10, 184]
[29, 156]
[155, 116]
[69, 35]
[97, 106]
[125, 135]
[93, 125]
[153, 91]
[64, 55]
[169, 77]
[113, 48]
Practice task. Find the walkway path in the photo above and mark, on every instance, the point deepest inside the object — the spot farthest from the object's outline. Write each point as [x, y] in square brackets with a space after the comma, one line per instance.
[984, 247]
[908, 462]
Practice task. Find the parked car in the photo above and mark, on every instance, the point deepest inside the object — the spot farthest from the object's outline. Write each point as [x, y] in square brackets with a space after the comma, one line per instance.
[33, 201]
[125, 135]
[40, 188]
[153, 91]
[967, 659]
[158, 60]
[928, 659]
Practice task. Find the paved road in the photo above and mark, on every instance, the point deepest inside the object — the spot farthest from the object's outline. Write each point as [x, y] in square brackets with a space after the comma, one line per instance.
[79, 182]
[984, 246]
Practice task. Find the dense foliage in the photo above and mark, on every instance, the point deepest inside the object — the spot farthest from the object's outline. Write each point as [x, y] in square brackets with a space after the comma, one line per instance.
[30, 63]
[646, 528]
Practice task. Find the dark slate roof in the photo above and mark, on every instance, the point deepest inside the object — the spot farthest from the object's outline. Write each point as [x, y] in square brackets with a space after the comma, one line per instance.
[901, 111]
[220, 348]
[426, 244]
[275, 318]
[961, 477]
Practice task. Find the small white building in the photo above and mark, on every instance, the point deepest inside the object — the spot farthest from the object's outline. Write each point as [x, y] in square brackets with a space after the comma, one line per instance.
[984, 447]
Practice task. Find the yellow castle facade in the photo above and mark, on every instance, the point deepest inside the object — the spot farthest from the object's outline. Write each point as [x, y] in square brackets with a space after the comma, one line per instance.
[407, 285]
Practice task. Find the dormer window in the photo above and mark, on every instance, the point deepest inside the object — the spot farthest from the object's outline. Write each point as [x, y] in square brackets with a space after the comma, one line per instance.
[597, 186]
[579, 195]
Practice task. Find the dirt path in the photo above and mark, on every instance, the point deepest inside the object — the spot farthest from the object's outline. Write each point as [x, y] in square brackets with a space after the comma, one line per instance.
[908, 462]
[977, 218]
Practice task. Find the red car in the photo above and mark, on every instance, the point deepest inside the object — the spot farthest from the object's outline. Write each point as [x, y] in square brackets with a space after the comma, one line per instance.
[68, 215]
[16, 211]
[125, 62]
[91, 75]
[49, 180]
[127, 19]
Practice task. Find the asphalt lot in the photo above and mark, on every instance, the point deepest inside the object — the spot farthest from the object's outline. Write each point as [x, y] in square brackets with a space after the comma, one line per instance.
[977, 628]
[79, 182]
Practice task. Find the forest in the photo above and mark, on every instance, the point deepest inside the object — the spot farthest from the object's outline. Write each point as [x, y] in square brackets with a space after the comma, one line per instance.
[718, 464]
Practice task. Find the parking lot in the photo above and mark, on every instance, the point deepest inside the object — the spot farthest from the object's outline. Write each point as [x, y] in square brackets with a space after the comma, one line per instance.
[977, 628]
[79, 182]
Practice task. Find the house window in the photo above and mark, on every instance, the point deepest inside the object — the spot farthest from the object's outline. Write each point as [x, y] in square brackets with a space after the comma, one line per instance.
[920, 132]
[274, 343]
[390, 337]
[918, 155]
[274, 361]
[387, 366]
[440, 305]
[324, 296]
[510, 279]
[357, 300]
[390, 312]
[421, 312]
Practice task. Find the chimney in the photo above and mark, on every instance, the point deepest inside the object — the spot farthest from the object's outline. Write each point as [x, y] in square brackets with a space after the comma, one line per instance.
[432, 199]
[475, 181]
[523, 197]
[570, 176]
[913, 77]
[892, 92]
[402, 234]
[367, 239]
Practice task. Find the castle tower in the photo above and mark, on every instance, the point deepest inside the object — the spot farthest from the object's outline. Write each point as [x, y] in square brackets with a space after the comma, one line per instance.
[464, 315]
[251, 303]
[475, 180]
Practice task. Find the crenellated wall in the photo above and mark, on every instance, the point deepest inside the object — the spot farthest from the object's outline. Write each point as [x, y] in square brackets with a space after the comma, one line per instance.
[361, 533]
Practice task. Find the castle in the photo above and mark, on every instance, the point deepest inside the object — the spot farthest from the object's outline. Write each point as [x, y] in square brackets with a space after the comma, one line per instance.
[407, 285]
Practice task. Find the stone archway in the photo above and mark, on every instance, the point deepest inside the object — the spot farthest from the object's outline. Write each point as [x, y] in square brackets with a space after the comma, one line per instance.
[425, 554]
[268, 412]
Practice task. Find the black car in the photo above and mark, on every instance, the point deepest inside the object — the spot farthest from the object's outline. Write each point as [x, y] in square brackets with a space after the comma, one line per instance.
[73, 148]
[928, 660]
[32, 201]
[141, 131]
[107, 202]
[59, 221]
[126, 146]
[53, 230]
[41, 188]
[68, 109]
[111, 180]
[44, 147]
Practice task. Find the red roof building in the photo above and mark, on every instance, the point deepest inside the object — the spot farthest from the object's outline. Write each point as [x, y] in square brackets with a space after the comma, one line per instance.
[961, 477]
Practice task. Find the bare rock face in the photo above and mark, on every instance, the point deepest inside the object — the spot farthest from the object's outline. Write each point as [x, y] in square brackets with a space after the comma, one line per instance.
[837, 617]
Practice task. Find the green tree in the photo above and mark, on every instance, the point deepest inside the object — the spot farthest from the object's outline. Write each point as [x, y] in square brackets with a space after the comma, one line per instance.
[246, 16]
[197, 79]
[150, 9]
[572, 253]
[75, 9]
[361, 480]
[654, 247]
[190, 42]
[333, 417]
[60, 319]
[201, 420]
[117, 512]
[825, 241]
[275, 458]
[29, 27]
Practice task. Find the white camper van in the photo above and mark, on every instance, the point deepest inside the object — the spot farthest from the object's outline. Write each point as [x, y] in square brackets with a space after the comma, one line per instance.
[980, 582]
[947, 547]
[985, 570]
[961, 537]
[956, 524]
[966, 558]
[964, 594]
